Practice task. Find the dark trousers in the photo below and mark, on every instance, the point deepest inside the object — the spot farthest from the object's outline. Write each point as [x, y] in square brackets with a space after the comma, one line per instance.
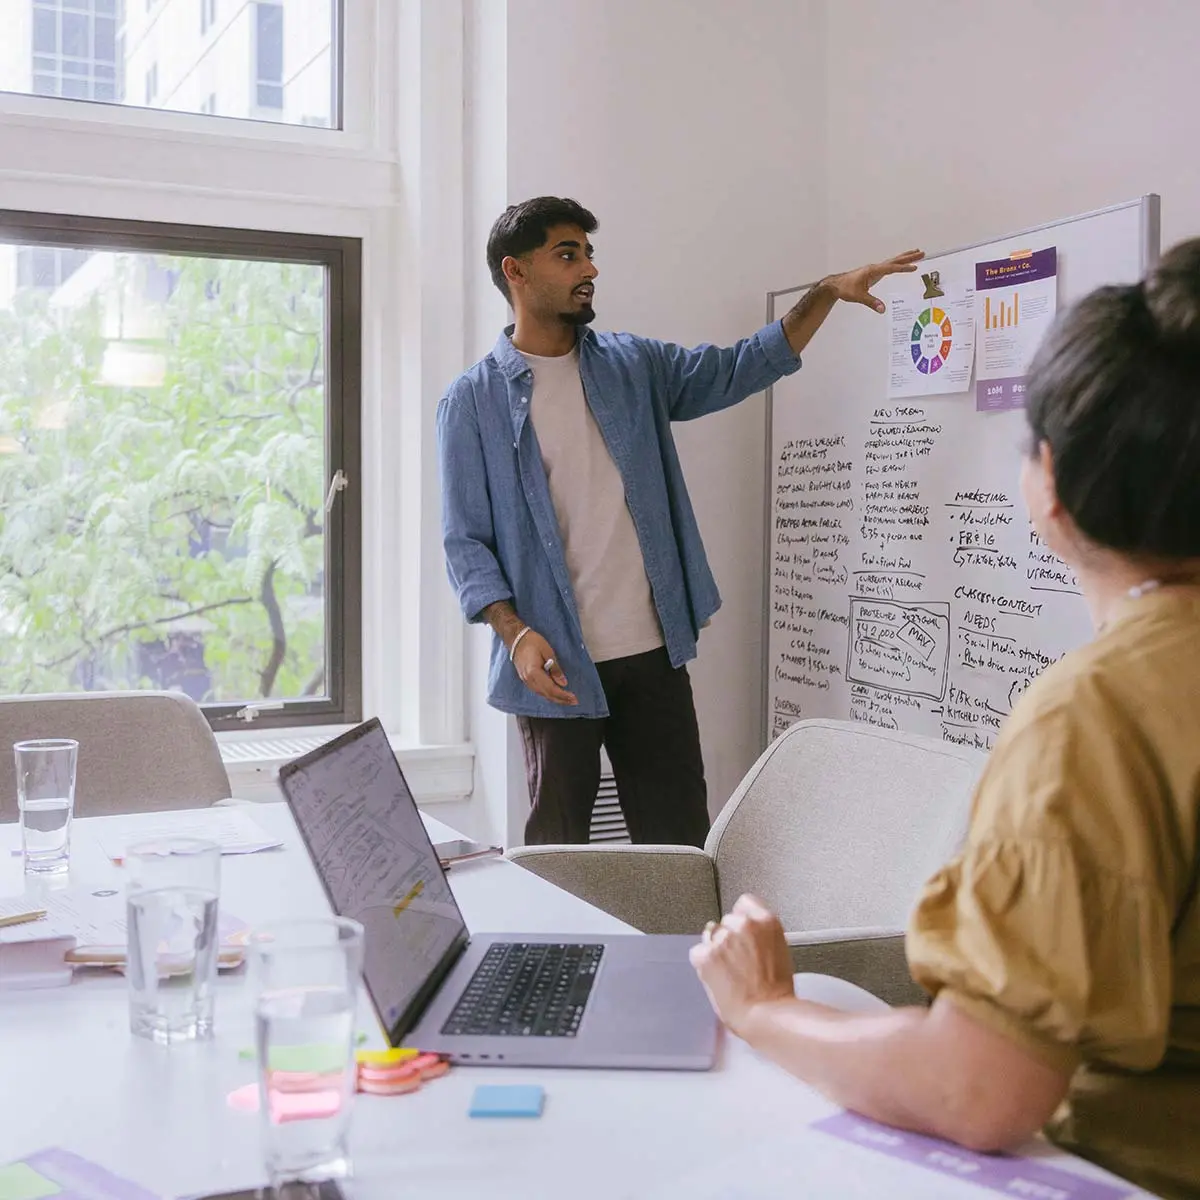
[653, 743]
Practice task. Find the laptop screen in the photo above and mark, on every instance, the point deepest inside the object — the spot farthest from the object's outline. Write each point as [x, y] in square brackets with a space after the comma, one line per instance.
[370, 848]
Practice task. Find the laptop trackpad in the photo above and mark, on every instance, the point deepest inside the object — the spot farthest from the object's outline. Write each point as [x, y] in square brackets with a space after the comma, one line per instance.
[659, 996]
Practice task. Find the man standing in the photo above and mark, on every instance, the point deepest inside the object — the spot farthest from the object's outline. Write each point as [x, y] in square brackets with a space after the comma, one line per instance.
[568, 528]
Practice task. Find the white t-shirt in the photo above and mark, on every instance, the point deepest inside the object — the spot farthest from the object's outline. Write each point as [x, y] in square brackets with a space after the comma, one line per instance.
[604, 557]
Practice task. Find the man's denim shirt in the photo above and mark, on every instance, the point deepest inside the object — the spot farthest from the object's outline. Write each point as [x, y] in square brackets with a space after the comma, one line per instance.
[499, 528]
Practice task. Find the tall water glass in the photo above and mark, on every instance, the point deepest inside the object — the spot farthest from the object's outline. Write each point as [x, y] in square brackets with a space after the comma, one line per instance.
[46, 802]
[171, 909]
[307, 974]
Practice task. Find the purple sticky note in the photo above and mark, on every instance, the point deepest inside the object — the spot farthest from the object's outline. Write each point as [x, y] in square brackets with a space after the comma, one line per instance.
[80, 1179]
[1005, 1173]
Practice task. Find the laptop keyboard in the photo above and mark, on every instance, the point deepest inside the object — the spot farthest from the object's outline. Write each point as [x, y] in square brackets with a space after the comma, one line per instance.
[525, 989]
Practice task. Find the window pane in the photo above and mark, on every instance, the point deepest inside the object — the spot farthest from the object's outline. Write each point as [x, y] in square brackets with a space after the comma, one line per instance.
[75, 35]
[269, 42]
[162, 466]
[288, 46]
[75, 89]
[45, 31]
[106, 40]
[45, 85]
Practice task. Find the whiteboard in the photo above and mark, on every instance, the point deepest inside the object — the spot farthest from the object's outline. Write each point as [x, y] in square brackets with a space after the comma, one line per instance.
[905, 586]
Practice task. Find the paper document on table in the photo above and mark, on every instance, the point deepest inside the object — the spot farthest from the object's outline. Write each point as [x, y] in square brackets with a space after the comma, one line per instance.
[88, 926]
[234, 830]
[91, 917]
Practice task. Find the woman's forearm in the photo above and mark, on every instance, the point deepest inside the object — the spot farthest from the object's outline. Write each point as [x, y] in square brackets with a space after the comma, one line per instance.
[932, 1071]
[860, 1062]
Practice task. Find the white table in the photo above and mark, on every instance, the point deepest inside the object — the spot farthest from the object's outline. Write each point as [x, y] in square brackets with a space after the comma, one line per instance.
[74, 1077]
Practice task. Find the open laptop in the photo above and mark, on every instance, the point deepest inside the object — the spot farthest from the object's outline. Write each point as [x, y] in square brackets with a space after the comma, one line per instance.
[623, 1000]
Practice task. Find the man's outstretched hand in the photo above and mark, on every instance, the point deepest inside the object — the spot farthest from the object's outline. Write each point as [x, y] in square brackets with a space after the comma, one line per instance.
[855, 286]
[810, 311]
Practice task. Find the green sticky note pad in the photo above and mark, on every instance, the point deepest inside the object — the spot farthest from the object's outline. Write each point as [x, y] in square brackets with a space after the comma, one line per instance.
[317, 1057]
[21, 1182]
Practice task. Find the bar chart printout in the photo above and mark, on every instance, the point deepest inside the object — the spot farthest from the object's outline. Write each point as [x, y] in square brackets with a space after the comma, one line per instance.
[1015, 302]
[1001, 315]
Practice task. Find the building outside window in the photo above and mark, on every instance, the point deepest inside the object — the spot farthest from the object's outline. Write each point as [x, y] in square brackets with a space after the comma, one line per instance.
[272, 61]
[72, 49]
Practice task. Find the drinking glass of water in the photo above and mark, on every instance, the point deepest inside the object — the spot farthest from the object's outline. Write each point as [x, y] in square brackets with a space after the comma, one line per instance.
[46, 800]
[171, 915]
[307, 974]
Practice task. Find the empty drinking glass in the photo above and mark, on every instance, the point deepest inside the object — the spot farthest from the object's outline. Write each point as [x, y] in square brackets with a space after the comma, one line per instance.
[307, 977]
[46, 800]
[171, 910]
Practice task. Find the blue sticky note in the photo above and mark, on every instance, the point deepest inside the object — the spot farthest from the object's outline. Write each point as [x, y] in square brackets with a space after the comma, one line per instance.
[493, 1100]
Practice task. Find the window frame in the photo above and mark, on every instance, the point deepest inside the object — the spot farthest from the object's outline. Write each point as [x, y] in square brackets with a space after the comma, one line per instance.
[342, 259]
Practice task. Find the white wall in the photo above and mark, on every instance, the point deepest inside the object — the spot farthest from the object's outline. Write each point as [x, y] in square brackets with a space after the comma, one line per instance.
[694, 129]
[1101, 103]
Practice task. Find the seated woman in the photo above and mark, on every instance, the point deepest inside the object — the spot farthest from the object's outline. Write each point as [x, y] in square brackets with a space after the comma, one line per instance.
[1062, 946]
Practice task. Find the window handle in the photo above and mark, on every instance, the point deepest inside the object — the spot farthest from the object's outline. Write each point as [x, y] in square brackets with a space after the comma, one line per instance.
[339, 483]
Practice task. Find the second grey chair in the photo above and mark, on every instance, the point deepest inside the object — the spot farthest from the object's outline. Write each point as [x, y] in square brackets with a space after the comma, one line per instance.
[138, 751]
[836, 827]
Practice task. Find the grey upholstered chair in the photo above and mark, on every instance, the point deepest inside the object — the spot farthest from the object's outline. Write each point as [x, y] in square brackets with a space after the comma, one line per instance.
[836, 826]
[138, 751]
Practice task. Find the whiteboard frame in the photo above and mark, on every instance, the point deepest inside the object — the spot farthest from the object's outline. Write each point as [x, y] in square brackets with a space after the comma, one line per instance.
[1151, 232]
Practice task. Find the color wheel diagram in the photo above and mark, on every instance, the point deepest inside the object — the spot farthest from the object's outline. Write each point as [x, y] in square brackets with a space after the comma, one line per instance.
[932, 347]
[932, 340]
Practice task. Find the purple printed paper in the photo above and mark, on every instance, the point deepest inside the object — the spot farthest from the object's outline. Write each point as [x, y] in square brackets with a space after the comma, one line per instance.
[1004, 1173]
[78, 1179]
[1015, 302]
[999, 395]
[1022, 268]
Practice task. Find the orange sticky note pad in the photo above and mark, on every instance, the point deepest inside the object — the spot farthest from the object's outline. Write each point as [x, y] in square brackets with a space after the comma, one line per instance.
[390, 1087]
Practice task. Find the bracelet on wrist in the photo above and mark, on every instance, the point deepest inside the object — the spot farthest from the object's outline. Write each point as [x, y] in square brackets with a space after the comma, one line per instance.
[517, 641]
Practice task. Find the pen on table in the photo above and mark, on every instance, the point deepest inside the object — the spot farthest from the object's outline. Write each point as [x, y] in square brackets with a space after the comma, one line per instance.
[22, 918]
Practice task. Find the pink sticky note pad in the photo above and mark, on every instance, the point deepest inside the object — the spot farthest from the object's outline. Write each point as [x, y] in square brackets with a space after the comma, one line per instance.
[244, 1099]
[303, 1106]
[287, 1106]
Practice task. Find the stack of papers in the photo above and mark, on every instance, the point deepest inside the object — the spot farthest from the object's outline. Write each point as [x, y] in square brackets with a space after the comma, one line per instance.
[233, 829]
[81, 927]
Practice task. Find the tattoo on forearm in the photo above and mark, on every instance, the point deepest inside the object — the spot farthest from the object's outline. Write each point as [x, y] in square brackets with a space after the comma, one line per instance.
[502, 617]
[804, 318]
[813, 298]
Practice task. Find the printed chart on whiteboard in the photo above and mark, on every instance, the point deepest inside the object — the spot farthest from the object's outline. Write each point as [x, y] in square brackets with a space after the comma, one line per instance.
[907, 588]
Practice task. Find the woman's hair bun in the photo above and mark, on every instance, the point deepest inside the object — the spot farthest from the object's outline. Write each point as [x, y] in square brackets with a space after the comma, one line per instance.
[1172, 291]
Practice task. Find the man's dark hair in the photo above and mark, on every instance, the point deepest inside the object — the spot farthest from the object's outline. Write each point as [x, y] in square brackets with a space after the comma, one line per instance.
[523, 227]
[1114, 391]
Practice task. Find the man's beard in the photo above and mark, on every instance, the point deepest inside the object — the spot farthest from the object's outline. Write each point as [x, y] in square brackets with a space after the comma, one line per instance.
[581, 316]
